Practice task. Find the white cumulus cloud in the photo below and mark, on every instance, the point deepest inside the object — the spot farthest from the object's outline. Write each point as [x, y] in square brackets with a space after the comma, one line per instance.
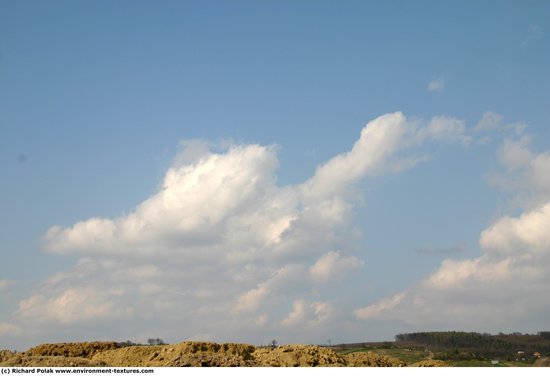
[528, 234]
[526, 175]
[312, 314]
[221, 248]
[333, 265]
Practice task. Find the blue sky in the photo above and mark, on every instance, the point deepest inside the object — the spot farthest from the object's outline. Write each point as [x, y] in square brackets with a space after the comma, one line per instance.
[345, 170]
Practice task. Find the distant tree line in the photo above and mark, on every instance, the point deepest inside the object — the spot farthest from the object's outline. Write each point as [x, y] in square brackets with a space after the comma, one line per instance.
[467, 345]
[451, 339]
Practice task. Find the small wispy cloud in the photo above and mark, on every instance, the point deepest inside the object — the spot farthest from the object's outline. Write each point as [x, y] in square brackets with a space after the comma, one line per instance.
[489, 122]
[8, 329]
[437, 85]
[534, 32]
[376, 310]
[457, 248]
[5, 284]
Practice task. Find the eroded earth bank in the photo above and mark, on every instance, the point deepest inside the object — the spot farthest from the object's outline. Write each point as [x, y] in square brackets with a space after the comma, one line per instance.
[194, 354]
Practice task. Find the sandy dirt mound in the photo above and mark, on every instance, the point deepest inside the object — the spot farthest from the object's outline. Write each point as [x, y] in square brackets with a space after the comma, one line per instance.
[5, 355]
[542, 362]
[370, 359]
[297, 356]
[193, 354]
[430, 363]
[185, 354]
[78, 349]
[23, 360]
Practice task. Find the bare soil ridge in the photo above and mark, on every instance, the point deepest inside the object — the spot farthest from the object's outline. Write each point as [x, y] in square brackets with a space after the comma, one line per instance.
[191, 354]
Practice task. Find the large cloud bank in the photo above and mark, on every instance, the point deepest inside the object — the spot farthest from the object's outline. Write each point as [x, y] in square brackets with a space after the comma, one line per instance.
[222, 252]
